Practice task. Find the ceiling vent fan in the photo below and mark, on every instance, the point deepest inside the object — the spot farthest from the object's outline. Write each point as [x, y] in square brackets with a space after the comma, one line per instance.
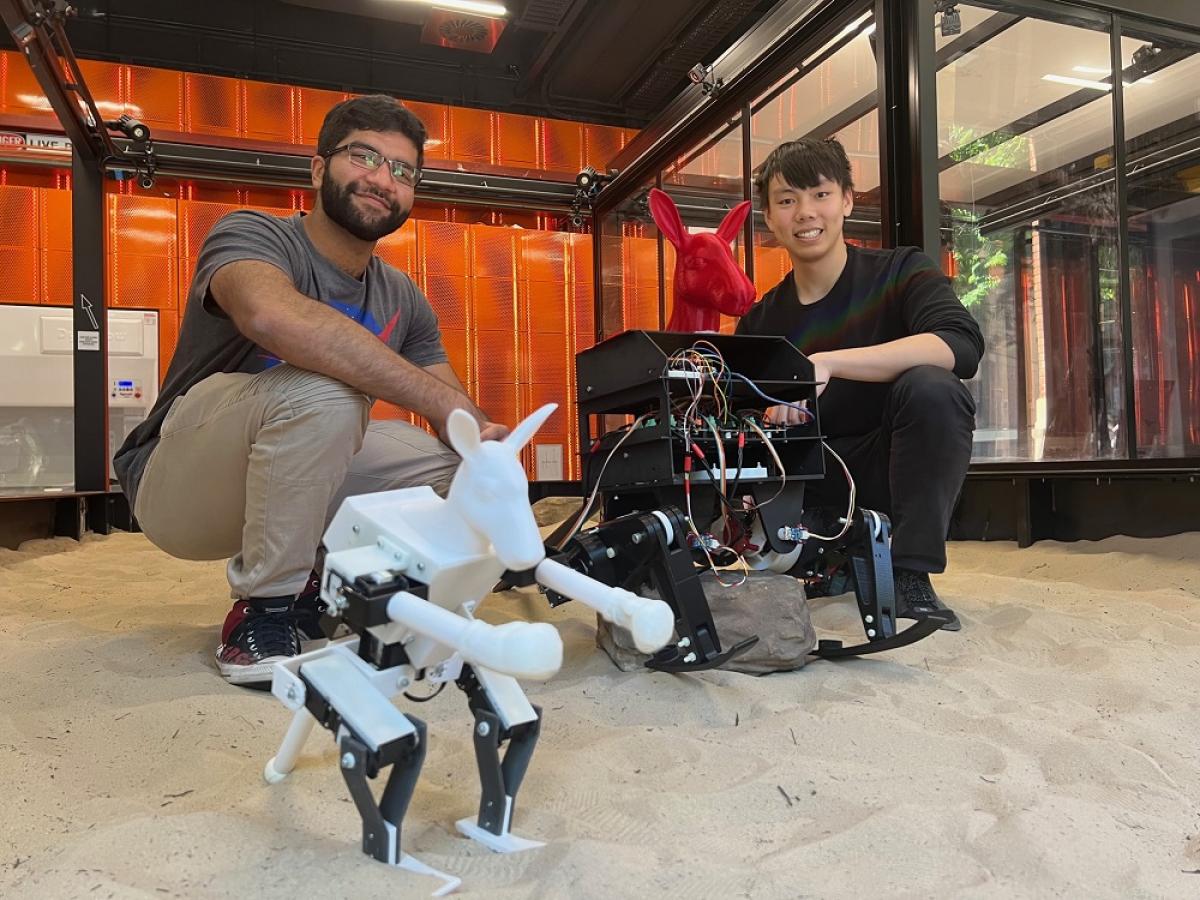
[462, 31]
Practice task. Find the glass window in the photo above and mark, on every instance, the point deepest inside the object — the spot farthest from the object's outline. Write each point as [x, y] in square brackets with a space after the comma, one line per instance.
[833, 93]
[1029, 230]
[629, 263]
[1162, 141]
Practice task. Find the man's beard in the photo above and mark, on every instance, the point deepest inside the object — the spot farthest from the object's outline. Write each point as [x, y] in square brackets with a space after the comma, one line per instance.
[338, 203]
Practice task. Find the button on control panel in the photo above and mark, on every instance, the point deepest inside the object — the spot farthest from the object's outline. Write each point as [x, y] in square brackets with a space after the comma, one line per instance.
[126, 389]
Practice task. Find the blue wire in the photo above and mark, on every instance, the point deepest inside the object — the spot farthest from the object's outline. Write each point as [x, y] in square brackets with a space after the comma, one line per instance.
[754, 387]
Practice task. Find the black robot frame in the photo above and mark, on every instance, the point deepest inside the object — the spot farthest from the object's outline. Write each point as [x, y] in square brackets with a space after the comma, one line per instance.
[641, 542]
[642, 477]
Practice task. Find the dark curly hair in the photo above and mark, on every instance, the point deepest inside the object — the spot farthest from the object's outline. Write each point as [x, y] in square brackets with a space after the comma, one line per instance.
[374, 112]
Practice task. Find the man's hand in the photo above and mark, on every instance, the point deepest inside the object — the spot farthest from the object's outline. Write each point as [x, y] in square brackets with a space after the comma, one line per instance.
[877, 363]
[882, 362]
[786, 415]
[790, 415]
[488, 430]
[493, 431]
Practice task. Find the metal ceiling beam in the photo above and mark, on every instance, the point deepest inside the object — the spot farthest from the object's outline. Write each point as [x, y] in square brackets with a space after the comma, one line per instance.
[293, 170]
[37, 30]
[654, 85]
[550, 48]
[959, 47]
[975, 37]
[764, 52]
[1160, 160]
[361, 59]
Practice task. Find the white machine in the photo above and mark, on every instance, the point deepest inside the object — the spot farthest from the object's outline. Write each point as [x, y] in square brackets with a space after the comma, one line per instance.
[406, 570]
[37, 395]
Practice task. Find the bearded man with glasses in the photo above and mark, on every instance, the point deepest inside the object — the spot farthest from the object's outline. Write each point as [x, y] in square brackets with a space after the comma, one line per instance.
[293, 327]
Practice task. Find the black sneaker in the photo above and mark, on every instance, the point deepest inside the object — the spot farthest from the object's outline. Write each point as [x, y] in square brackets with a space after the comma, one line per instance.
[256, 635]
[916, 599]
[310, 608]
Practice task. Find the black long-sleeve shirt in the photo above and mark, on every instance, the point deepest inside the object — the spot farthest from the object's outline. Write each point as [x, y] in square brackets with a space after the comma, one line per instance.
[881, 295]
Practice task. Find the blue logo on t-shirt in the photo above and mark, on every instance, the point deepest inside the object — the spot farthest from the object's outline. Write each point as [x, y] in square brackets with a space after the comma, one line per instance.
[359, 314]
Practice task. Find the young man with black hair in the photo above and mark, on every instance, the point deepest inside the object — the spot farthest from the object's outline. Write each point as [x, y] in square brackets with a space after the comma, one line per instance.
[890, 342]
[292, 327]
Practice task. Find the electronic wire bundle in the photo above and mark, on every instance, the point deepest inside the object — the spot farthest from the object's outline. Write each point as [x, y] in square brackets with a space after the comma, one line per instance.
[704, 417]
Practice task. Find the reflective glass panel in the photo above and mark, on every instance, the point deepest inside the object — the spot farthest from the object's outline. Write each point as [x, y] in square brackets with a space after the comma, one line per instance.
[1162, 145]
[833, 93]
[630, 265]
[1029, 232]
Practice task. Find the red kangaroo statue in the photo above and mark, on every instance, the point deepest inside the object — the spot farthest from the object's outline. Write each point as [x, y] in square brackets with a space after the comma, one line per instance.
[708, 281]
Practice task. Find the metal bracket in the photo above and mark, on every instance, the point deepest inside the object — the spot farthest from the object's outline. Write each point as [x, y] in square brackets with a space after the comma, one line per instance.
[499, 779]
[382, 820]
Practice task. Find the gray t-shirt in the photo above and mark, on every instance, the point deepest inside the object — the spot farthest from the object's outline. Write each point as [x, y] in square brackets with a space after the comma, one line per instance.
[385, 301]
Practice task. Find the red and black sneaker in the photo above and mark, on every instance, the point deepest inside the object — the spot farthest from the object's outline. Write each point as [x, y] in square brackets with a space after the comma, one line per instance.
[310, 608]
[257, 634]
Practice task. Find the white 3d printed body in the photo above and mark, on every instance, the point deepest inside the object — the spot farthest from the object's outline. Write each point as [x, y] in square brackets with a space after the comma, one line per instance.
[454, 550]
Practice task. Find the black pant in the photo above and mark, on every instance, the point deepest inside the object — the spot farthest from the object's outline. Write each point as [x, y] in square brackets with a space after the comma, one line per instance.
[912, 467]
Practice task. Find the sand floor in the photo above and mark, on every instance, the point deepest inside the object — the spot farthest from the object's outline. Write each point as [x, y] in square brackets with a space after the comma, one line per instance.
[1052, 748]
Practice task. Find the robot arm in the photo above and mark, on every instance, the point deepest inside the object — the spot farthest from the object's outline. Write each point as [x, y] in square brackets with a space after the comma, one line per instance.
[650, 622]
[651, 548]
[521, 649]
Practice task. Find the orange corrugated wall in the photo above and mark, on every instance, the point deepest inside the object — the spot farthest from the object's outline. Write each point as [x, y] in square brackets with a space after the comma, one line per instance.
[194, 106]
[514, 305]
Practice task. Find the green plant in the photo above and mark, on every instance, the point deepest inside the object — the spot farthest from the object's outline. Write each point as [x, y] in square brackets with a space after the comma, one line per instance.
[976, 258]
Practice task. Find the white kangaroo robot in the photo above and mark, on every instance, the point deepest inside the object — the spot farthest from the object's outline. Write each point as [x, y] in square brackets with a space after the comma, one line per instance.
[405, 570]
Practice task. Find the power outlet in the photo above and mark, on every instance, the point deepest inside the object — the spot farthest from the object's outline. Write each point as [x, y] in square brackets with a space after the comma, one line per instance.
[549, 466]
[57, 333]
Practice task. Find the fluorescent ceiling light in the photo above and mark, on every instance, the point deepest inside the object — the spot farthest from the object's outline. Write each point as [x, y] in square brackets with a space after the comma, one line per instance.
[495, 10]
[1092, 70]
[1094, 85]
[854, 26]
[1078, 82]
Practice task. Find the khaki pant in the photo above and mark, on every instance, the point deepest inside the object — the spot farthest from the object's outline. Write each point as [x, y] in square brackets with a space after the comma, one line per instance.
[253, 467]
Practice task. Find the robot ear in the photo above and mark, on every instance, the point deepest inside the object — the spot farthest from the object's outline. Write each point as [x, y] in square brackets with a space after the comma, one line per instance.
[463, 432]
[731, 225]
[666, 217]
[521, 435]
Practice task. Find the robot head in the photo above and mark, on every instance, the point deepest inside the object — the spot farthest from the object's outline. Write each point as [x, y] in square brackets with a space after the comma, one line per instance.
[491, 492]
[708, 280]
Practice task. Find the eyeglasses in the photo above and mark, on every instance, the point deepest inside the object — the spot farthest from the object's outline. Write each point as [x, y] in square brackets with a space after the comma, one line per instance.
[369, 158]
